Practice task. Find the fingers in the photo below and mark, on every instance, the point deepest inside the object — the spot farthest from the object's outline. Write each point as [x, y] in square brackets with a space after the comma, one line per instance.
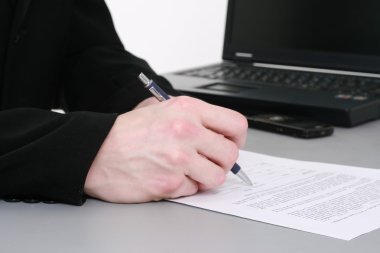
[205, 172]
[215, 134]
[187, 188]
[229, 123]
[166, 150]
[218, 149]
[226, 122]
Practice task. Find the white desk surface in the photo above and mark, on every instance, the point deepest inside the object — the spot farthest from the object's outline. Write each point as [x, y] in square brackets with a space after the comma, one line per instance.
[169, 227]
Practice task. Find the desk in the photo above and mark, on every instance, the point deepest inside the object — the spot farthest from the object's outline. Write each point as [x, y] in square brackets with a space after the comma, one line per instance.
[169, 227]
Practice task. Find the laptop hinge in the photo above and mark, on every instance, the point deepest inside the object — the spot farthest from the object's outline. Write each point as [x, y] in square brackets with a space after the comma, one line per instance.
[319, 70]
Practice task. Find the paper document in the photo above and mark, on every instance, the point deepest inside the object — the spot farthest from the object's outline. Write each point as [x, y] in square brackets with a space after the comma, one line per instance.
[327, 199]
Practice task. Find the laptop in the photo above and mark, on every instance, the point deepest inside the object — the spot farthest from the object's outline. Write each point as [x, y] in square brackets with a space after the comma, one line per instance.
[316, 58]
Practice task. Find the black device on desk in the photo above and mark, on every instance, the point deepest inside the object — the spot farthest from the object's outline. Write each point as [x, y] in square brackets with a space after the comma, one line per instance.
[317, 58]
[295, 126]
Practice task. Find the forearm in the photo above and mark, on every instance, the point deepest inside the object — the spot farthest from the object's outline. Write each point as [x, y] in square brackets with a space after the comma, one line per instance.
[46, 155]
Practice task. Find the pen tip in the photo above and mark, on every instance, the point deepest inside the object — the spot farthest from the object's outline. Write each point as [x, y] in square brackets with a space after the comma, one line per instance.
[244, 177]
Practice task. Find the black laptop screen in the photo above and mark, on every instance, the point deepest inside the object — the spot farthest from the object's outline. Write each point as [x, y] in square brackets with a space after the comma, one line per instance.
[321, 33]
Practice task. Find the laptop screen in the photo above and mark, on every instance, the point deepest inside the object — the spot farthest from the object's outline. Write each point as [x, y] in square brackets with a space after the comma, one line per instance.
[315, 33]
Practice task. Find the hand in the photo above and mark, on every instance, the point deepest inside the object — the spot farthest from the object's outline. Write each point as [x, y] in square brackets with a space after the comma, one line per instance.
[147, 102]
[166, 150]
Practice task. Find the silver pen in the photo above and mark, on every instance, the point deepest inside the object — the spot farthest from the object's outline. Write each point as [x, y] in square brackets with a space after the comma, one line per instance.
[162, 96]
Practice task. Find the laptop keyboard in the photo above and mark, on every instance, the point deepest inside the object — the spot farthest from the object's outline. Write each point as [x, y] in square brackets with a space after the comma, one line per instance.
[344, 87]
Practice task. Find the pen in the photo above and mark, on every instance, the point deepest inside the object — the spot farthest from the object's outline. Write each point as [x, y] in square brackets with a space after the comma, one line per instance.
[162, 96]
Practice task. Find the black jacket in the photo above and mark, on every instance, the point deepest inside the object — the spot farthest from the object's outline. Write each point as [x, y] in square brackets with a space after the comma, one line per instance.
[61, 54]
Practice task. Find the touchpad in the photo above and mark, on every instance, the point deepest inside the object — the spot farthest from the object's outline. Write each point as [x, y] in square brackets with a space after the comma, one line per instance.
[225, 87]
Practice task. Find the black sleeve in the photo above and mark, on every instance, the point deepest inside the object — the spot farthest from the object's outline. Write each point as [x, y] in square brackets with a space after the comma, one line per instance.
[101, 75]
[46, 155]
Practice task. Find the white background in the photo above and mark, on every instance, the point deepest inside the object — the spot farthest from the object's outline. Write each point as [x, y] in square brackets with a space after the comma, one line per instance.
[171, 34]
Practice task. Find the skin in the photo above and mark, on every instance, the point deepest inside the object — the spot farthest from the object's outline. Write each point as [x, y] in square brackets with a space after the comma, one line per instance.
[166, 150]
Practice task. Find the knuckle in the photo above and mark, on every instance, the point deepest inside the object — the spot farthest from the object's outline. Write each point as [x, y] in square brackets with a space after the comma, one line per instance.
[218, 179]
[168, 184]
[221, 179]
[233, 155]
[230, 156]
[177, 158]
[182, 128]
[241, 123]
[241, 128]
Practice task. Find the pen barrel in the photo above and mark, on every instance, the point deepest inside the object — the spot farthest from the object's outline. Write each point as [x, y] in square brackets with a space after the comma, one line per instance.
[159, 93]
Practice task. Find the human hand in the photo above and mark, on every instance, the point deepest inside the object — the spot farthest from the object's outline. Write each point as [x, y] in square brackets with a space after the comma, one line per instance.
[147, 102]
[166, 150]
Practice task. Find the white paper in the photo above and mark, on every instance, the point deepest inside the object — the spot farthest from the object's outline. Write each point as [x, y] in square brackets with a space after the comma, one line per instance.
[327, 199]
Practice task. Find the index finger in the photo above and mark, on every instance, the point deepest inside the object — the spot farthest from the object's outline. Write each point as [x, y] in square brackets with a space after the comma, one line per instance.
[227, 122]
